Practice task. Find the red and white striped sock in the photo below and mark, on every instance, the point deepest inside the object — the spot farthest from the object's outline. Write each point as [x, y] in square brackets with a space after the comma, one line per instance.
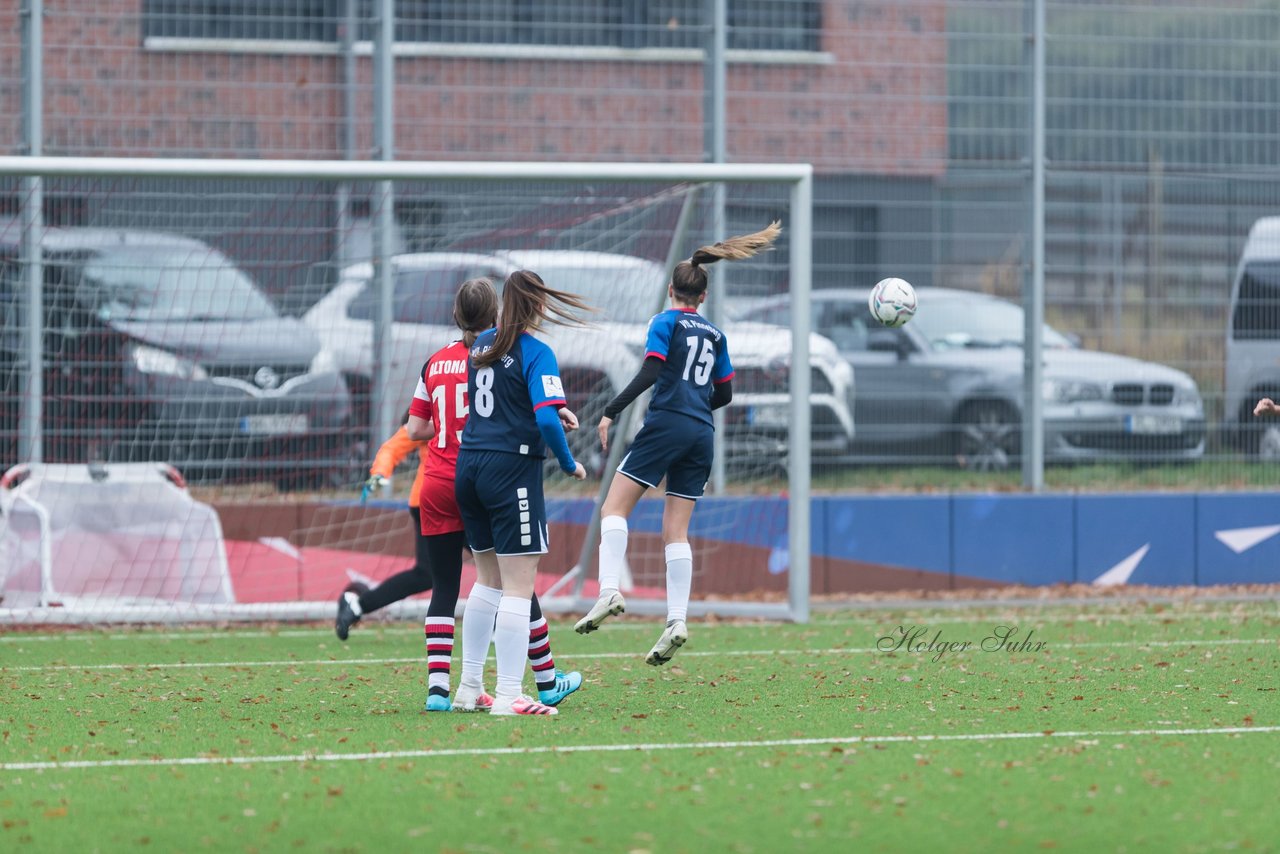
[439, 636]
[544, 666]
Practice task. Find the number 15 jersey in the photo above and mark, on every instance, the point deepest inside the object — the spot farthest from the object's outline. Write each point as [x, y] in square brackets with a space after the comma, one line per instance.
[441, 397]
[696, 357]
[505, 394]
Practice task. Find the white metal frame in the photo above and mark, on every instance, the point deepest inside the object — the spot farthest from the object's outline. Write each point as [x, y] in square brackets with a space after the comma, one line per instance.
[799, 176]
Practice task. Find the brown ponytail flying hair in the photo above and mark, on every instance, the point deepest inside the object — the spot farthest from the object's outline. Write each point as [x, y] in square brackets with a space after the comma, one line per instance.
[526, 303]
[689, 280]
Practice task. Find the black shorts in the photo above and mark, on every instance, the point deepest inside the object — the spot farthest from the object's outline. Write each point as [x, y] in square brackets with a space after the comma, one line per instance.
[673, 446]
[500, 501]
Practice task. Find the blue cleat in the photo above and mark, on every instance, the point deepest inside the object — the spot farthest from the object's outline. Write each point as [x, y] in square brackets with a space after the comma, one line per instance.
[566, 684]
[436, 703]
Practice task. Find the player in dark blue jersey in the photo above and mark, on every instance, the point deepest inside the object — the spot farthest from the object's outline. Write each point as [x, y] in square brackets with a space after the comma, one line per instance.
[517, 413]
[687, 364]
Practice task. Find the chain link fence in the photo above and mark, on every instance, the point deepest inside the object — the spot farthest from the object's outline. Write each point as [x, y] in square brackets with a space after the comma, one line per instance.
[1161, 135]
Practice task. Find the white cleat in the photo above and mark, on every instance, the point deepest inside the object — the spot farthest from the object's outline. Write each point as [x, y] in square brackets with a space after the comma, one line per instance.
[605, 607]
[674, 636]
[469, 699]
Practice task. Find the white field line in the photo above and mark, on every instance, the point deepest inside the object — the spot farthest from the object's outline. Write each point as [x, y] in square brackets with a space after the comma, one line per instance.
[883, 618]
[763, 653]
[618, 748]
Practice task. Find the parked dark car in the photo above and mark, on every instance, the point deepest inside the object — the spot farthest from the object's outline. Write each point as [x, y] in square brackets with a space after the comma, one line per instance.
[158, 348]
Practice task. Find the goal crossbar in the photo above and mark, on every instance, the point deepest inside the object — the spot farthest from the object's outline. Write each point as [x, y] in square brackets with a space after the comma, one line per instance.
[399, 170]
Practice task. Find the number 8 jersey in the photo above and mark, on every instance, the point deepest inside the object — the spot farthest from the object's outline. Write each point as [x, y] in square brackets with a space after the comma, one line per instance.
[696, 357]
[505, 394]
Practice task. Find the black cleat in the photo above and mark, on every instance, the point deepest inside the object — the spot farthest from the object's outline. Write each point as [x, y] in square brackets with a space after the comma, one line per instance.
[348, 605]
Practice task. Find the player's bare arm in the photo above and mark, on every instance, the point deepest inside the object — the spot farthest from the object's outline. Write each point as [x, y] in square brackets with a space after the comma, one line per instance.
[567, 419]
[603, 430]
[420, 429]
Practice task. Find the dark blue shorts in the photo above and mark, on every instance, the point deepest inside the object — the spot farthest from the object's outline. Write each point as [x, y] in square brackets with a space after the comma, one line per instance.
[500, 501]
[674, 446]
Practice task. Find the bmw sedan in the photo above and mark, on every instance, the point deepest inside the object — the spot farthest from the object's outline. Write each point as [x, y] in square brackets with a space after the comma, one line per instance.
[948, 386]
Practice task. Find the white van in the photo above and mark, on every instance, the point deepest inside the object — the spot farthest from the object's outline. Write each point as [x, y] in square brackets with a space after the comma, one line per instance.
[1253, 343]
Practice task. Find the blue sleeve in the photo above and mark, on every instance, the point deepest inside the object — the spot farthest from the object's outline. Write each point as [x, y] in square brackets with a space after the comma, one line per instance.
[658, 341]
[552, 431]
[542, 375]
[723, 371]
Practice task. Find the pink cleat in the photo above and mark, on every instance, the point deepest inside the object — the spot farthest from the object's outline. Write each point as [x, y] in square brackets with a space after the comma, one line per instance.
[523, 706]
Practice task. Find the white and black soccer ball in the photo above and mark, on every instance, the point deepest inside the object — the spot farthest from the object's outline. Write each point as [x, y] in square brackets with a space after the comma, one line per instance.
[892, 301]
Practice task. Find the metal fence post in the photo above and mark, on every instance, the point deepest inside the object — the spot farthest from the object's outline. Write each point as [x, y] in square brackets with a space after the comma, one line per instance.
[1033, 297]
[384, 225]
[31, 420]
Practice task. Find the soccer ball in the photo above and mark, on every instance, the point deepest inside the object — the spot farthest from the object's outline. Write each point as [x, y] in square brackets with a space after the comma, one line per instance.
[892, 302]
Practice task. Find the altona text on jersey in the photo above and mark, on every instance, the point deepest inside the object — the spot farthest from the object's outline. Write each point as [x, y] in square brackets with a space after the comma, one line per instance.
[448, 366]
[688, 323]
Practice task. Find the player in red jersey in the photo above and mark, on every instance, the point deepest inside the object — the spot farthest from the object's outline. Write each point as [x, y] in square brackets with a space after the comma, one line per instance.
[437, 416]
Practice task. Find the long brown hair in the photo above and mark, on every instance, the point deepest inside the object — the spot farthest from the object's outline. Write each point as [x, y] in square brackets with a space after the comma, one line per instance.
[689, 280]
[526, 303]
[475, 308]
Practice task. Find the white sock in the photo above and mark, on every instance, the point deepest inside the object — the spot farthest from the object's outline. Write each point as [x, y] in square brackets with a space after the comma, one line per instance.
[613, 552]
[679, 580]
[511, 644]
[477, 632]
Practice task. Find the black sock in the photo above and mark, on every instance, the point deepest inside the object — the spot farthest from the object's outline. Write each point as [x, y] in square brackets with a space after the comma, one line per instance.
[402, 585]
[416, 579]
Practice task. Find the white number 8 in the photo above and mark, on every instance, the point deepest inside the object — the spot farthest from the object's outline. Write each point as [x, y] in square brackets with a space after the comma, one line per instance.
[483, 404]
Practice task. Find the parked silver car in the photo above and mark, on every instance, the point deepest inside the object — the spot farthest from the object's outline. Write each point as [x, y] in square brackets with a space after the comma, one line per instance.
[947, 387]
[596, 360]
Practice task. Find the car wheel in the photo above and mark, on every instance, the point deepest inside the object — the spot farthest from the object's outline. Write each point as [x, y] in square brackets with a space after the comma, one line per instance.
[750, 457]
[988, 436]
[1269, 444]
[584, 442]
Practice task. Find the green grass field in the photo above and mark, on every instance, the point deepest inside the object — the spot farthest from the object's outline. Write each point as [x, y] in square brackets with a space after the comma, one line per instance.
[1135, 727]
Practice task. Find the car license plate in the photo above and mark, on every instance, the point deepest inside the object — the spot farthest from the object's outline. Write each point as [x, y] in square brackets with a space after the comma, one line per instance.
[768, 416]
[273, 425]
[1153, 425]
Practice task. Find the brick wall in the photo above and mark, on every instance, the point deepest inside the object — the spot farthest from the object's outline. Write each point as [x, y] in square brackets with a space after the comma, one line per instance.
[878, 107]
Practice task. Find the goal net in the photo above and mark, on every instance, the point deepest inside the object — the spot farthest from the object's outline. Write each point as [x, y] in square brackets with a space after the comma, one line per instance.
[259, 327]
[94, 539]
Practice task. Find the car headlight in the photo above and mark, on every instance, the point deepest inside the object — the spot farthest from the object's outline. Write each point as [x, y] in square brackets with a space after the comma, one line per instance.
[324, 362]
[1186, 395]
[1070, 391]
[153, 360]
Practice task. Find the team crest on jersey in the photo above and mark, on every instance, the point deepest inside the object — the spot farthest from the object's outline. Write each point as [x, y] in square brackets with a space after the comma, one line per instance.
[551, 387]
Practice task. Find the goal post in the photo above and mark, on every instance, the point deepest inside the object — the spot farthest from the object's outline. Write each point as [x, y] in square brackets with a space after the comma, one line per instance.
[619, 222]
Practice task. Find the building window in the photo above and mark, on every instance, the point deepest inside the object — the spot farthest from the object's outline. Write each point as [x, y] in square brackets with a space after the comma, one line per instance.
[790, 25]
[267, 20]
